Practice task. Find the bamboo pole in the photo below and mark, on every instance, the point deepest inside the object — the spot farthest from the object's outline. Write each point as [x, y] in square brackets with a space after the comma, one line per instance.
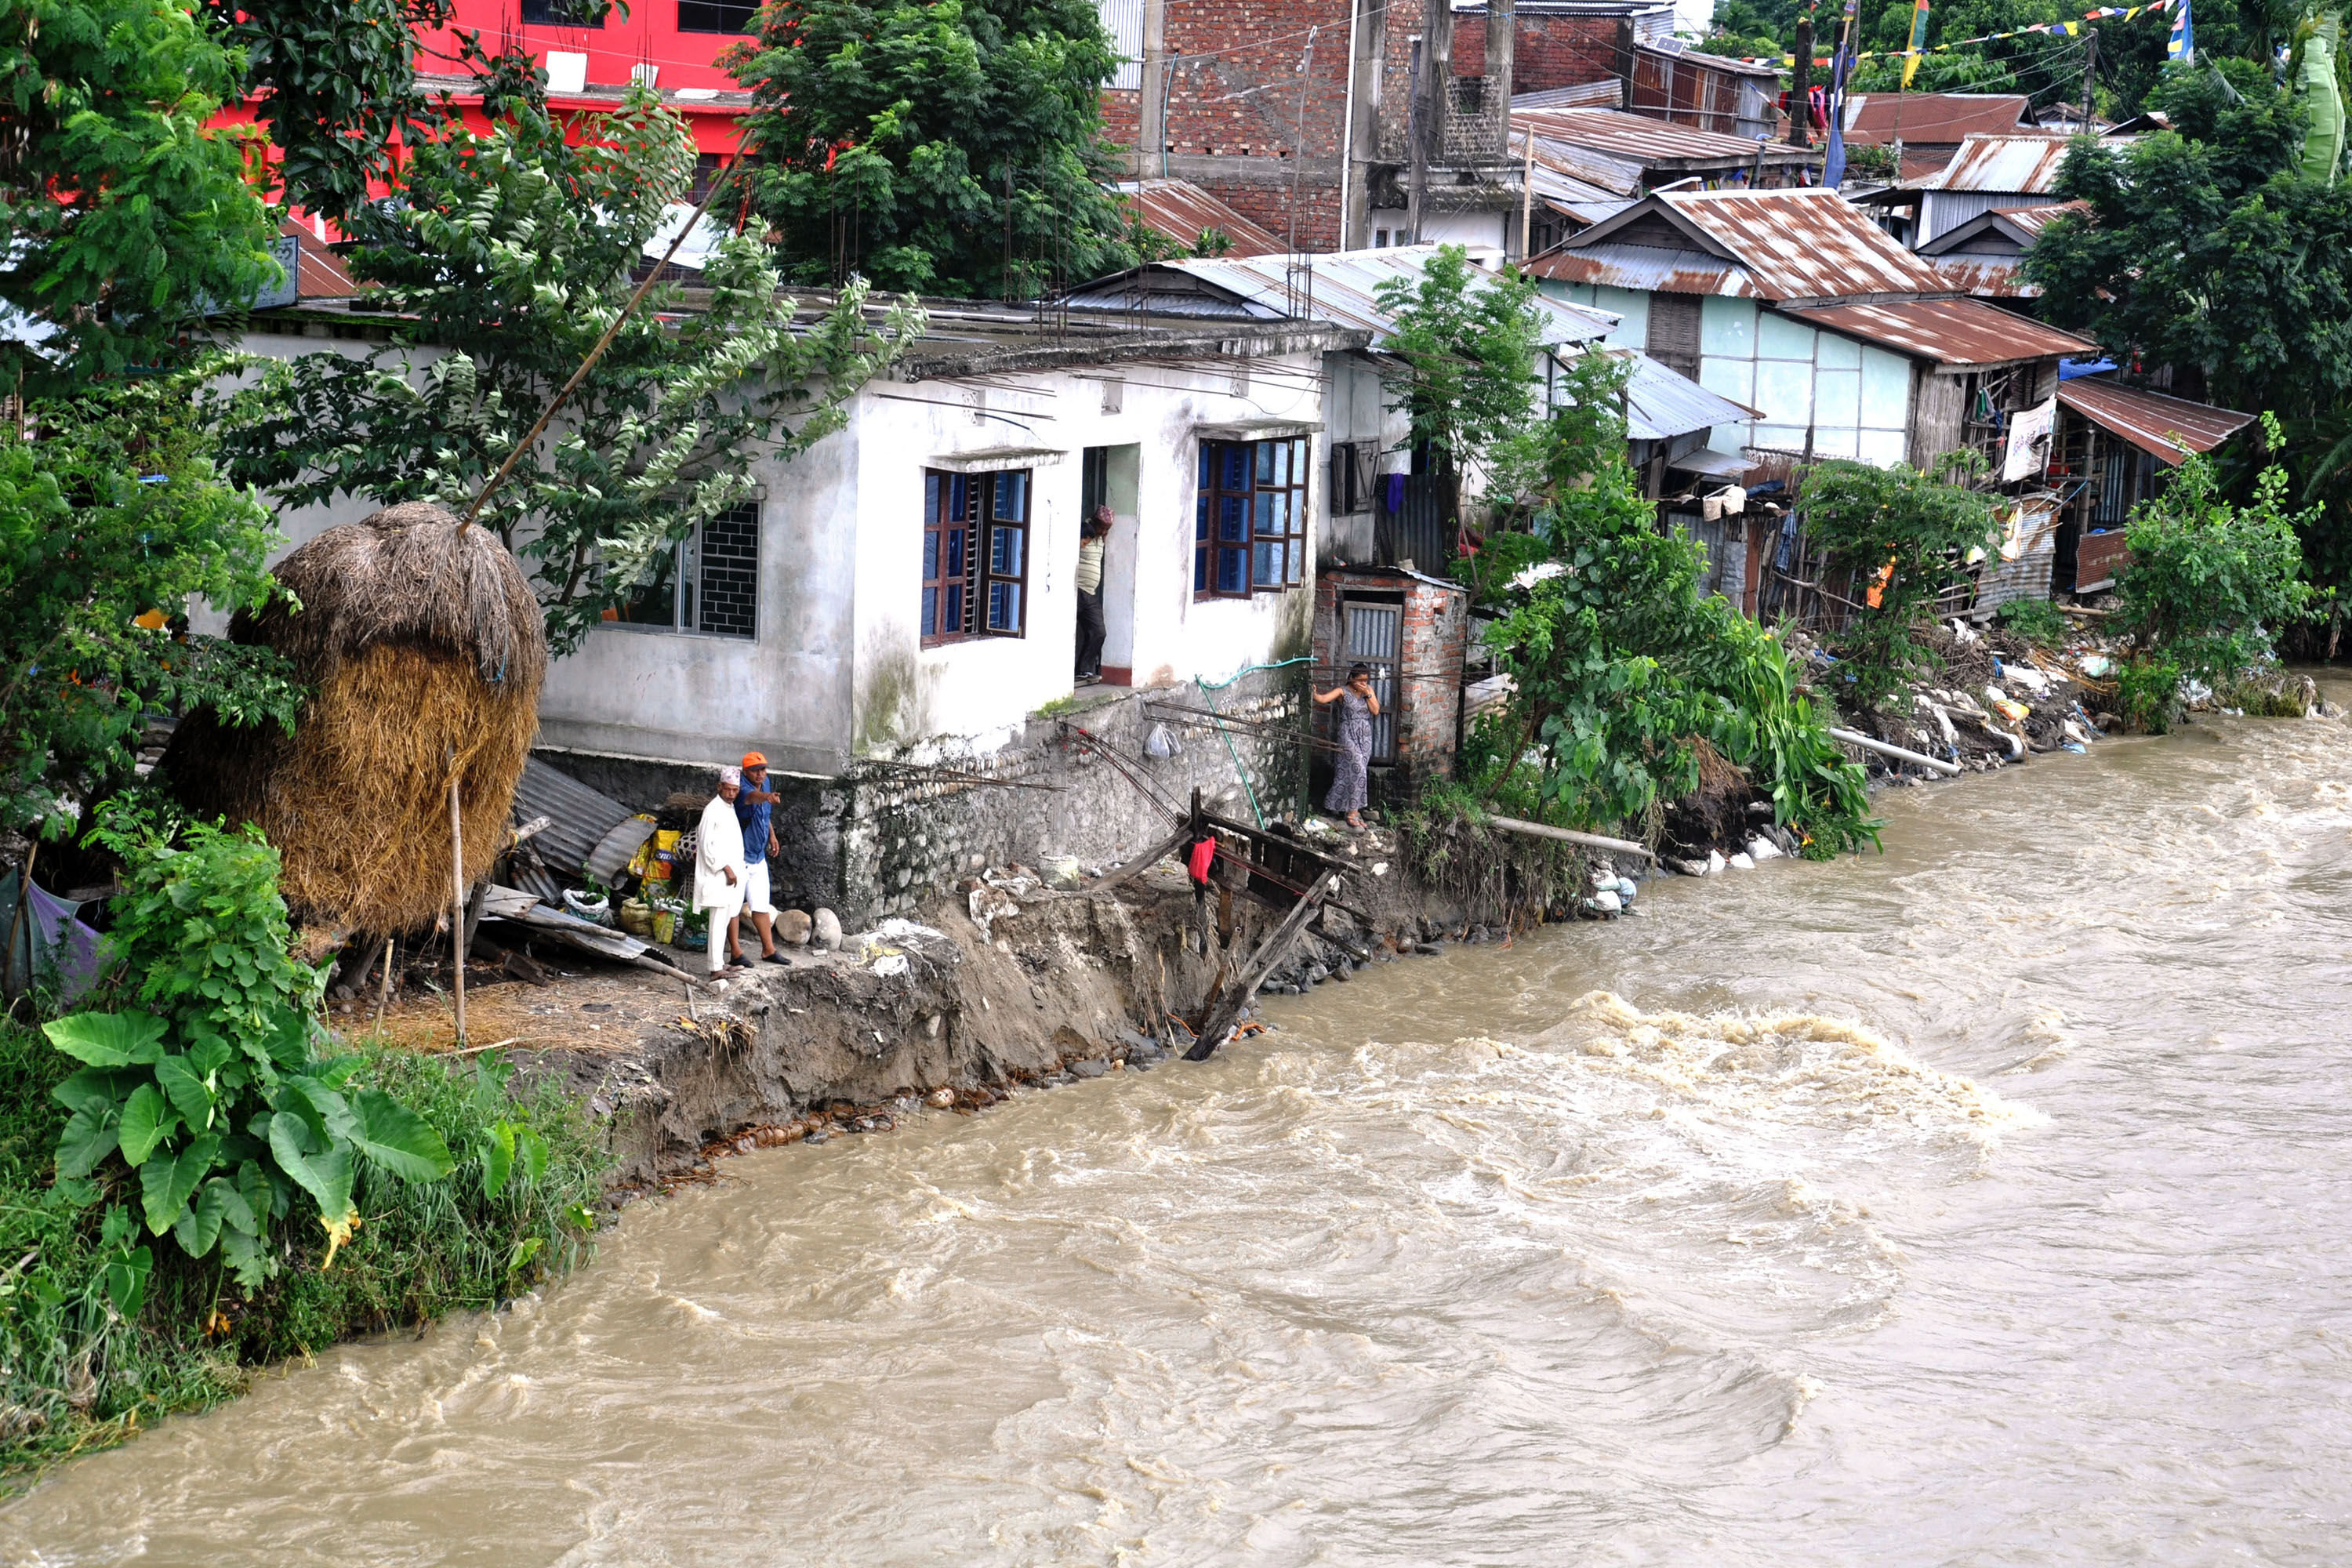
[457, 903]
[1569, 836]
[1854, 738]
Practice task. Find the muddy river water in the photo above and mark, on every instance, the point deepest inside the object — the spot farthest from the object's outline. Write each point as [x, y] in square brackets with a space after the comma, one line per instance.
[1988, 1202]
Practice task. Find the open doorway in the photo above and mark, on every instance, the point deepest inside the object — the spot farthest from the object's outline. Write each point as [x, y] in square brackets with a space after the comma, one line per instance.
[1111, 477]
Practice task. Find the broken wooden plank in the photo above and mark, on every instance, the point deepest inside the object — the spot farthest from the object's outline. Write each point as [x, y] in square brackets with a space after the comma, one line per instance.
[1224, 1013]
[1141, 863]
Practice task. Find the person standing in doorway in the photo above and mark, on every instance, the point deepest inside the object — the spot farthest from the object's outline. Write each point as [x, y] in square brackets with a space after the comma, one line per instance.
[719, 870]
[1350, 781]
[1090, 606]
[753, 807]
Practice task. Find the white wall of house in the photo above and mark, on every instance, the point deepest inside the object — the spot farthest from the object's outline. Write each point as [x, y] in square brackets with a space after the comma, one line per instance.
[978, 692]
[1630, 306]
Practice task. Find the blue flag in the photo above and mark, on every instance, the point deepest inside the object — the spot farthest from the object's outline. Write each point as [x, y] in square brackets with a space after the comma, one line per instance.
[2182, 45]
[1834, 160]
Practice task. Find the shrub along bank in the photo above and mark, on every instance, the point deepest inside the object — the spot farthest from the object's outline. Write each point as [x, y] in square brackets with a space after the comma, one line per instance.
[1629, 681]
[190, 1186]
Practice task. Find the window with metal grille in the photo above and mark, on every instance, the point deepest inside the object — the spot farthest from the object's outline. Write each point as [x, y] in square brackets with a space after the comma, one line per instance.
[708, 582]
[975, 555]
[714, 15]
[1249, 531]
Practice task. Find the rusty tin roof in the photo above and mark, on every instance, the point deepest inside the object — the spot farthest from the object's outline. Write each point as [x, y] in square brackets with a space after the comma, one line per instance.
[1986, 276]
[1183, 211]
[2150, 420]
[1651, 144]
[1935, 118]
[1806, 244]
[2023, 162]
[1950, 332]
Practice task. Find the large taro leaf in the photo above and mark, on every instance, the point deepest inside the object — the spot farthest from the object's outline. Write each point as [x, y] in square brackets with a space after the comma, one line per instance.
[108, 1039]
[147, 1121]
[90, 1136]
[321, 1168]
[397, 1139]
[167, 1183]
[183, 1080]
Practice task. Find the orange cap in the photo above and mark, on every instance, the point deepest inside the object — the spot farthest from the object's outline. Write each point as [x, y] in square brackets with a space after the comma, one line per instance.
[754, 760]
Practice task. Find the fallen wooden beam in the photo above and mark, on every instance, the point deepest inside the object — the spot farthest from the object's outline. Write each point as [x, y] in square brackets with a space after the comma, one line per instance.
[1870, 744]
[1569, 836]
[1140, 864]
[1226, 1013]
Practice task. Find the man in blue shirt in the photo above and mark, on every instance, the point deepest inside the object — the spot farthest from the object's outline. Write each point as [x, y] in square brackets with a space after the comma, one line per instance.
[752, 811]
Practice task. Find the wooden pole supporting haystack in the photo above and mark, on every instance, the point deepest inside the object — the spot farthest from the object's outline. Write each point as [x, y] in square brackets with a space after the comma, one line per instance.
[457, 902]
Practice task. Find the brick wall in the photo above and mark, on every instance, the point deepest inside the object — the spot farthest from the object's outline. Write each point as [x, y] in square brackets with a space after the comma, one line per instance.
[1548, 50]
[1120, 110]
[1435, 634]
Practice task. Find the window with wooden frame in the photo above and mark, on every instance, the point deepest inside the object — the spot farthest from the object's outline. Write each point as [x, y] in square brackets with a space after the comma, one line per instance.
[1249, 530]
[975, 555]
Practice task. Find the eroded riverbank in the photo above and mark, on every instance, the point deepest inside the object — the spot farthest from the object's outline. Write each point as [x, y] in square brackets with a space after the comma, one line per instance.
[2015, 1239]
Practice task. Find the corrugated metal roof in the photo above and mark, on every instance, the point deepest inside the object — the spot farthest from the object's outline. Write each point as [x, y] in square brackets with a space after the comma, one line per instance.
[1652, 143]
[1986, 276]
[2023, 162]
[2033, 220]
[1949, 118]
[1609, 93]
[1675, 49]
[1803, 244]
[1343, 282]
[1647, 268]
[1184, 212]
[1662, 402]
[589, 833]
[2150, 420]
[1950, 332]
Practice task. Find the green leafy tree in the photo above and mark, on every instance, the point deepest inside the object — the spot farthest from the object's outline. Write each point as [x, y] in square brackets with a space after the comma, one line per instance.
[2210, 585]
[1468, 341]
[334, 85]
[113, 523]
[507, 258]
[2208, 250]
[935, 146]
[1622, 664]
[121, 216]
[1903, 534]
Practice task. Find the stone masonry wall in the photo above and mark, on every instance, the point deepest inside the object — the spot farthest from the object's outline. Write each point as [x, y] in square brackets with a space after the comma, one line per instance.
[891, 835]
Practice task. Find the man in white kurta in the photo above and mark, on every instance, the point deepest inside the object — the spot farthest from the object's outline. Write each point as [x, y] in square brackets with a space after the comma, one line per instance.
[719, 870]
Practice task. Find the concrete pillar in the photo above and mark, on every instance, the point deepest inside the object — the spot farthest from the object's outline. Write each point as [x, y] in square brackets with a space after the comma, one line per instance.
[1151, 130]
[1363, 132]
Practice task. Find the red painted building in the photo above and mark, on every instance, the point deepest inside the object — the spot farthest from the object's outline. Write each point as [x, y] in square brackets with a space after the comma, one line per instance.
[674, 43]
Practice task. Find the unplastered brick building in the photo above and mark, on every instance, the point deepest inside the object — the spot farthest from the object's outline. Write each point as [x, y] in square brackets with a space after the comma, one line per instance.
[1306, 115]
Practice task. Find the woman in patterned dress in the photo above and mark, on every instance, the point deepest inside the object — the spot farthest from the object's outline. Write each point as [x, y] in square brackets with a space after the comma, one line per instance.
[1357, 707]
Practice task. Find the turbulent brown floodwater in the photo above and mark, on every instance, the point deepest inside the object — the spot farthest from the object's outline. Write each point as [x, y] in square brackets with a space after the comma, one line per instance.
[1987, 1202]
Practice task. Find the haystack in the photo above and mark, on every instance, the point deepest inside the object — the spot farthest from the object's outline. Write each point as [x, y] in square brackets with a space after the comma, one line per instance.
[421, 642]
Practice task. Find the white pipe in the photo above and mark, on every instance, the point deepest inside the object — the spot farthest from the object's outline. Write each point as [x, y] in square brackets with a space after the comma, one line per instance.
[1950, 769]
[1568, 836]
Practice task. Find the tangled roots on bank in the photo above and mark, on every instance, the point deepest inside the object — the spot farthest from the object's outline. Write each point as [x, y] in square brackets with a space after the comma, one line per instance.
[422, 644]
[1715, 814]
[1495, 875]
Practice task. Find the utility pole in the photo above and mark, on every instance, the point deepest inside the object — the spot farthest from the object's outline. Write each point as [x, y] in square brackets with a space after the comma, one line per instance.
[1800, 86]
[1433, 85]
[2090, 74]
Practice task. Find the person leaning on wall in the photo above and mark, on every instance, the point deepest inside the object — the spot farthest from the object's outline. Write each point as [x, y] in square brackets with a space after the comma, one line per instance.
[1089, 585]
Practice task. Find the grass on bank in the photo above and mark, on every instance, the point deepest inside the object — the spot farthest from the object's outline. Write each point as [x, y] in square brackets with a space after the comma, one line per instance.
[75, 1374]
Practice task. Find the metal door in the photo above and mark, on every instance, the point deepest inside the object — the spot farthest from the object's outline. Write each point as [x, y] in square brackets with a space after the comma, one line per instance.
[1375, 636]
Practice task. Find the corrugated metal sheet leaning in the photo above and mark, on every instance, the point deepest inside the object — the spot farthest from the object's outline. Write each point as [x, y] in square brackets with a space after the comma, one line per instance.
[2150, 420]
[589, 833]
